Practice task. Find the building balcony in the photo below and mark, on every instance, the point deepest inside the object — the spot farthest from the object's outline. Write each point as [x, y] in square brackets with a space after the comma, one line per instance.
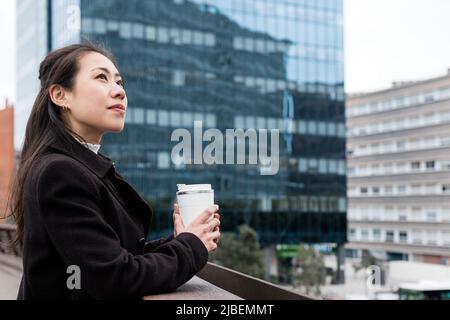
[399, 247]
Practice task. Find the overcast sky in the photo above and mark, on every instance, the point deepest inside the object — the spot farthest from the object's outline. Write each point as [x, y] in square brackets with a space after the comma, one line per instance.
[385, 41]
[7, 51]
[392, 40]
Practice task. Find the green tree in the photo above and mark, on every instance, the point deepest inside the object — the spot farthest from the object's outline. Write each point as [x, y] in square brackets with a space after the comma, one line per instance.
[242, 254]
[367, 260]
[308, 270]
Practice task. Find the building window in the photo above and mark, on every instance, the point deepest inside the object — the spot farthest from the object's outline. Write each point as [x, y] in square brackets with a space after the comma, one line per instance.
[403, 236]
[323, 168]
[112, 26]
[376, 190]
[342, 204]
[150, 33]
[304, 204]
[375, 169]
[446, 188]
[341, 130]
[100, 26]
[364, 190]
[376, 234]
[375, 148]
[163, 118]
[431, 216]
[389, 236]
[239, 122]
[389, 213]
[446, 238]
[314, 204]
[138, 31]
[416, 214]
[312, 165]
[400, 146]
[333, 166]
[163, 160]
[430, 188]
[198, 38]
[401, 189]
[417, 236]
[341, 168]
[188, 120]
[332, 129]
[175, 119]
[322, 128]
[271, 123]
[387, 168]
[302, 165]
[210, 121]
[445, 165]
[162, 35]
[430, 165]
[210, 40]
[388, 190]
[139, 115]
[416, 189]
[260, 123]
[178, 78]
[402, 167]
[402, 214]
[151, 117]
[431, 238]
[364, 234]
[312, 127]
[446, 214]
[125, 30]
[86, 25]
[415, 165]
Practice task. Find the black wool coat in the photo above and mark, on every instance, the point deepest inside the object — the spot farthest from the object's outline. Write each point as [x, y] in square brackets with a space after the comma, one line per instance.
[84, 224]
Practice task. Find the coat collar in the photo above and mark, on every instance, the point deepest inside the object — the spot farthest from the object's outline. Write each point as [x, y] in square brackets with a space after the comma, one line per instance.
[97, 163]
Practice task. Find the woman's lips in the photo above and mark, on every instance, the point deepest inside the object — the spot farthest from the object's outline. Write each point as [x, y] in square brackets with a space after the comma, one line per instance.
[118, 108]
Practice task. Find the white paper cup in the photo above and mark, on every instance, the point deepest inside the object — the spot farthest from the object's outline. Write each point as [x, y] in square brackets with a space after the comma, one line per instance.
[193, 200]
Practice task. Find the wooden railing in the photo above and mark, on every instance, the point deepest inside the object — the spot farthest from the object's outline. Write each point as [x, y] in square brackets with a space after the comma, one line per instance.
[215, 282]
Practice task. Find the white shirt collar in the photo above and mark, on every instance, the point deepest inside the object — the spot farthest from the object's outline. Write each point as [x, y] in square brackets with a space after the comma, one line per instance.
[93, 147]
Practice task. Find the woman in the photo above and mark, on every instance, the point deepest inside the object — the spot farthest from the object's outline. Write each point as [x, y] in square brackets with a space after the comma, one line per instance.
[81, 225]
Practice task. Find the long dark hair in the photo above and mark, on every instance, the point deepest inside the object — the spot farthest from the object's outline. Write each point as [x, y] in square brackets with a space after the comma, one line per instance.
[46, 119]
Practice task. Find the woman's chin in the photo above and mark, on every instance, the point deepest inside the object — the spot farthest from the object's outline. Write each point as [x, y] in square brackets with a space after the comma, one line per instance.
[116, 128]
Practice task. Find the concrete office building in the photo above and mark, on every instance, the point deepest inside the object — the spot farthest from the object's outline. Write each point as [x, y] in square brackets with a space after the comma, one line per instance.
[398, 152]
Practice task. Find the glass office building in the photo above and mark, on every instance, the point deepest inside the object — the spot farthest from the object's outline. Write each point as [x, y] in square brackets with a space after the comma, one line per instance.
[262, 64]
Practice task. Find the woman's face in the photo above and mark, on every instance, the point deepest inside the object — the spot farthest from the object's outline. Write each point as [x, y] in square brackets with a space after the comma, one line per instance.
[98, 101]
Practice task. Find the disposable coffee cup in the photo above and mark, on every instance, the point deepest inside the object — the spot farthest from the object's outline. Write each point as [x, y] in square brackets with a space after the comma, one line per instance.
[193, 199]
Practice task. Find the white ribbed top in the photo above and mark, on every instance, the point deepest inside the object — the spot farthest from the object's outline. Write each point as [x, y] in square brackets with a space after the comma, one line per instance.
[93, 147]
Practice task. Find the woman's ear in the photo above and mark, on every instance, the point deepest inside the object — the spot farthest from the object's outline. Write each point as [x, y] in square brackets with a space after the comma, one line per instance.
[58, 96]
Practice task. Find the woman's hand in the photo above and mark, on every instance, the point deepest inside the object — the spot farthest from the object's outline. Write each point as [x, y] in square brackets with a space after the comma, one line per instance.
[207, 232]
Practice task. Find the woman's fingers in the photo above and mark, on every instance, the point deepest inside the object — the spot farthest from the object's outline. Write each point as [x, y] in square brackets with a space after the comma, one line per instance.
[178, 222]
[213, 224]
[215, 235]
[205, 215]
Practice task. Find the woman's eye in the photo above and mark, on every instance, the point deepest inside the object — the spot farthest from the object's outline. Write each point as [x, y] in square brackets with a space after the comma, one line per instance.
[102, 76]
[120, 83]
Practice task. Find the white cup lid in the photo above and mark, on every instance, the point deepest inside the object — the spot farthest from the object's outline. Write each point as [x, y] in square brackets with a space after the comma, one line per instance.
[194, 187]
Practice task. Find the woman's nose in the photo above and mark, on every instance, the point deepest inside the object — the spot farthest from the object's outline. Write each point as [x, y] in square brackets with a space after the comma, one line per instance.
[118, 92]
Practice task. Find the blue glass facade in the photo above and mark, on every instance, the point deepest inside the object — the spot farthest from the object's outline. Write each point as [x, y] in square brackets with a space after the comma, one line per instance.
[258, 64]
